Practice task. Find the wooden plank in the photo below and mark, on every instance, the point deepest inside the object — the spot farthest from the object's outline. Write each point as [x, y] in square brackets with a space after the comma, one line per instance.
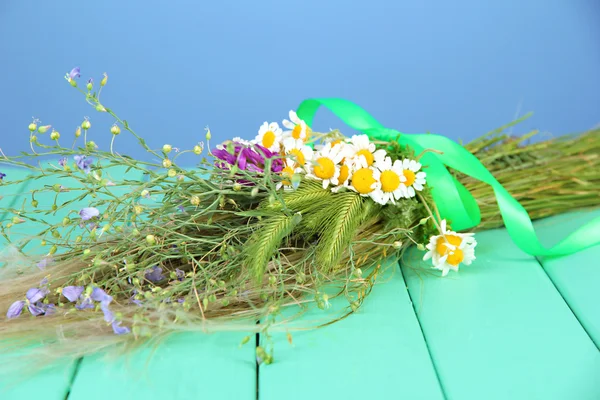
[185, 366]
[376, 353]
[576, 276]
[51, 384]
[500, 330]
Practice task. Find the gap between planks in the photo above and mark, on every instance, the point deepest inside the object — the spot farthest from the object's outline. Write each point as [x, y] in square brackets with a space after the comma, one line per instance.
[566, 302]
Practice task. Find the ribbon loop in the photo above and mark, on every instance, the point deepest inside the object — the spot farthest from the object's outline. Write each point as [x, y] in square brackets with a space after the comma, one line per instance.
[453, 200]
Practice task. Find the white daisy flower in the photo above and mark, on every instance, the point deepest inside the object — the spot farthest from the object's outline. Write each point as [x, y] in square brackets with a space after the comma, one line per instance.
[392, 179]
[345, 174]
[413, 178]
[362, 152]
[450, 249]
[366, 182]
[299, 152]
[325, 165]
[297, 127]
[269, 136]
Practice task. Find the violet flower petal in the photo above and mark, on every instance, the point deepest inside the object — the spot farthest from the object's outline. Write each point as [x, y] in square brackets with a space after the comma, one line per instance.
[88, 213]
[35, 294]
[75, 73]
[137, 302]
[44, 263]
[35, 309]
[2, 176]
[100, 295]
[15, 309]
[242, 161]
[83, 163]
[85, 303]
[118, 329]
[72, 293]
[155, 275]
[49, 309]
[108, 315]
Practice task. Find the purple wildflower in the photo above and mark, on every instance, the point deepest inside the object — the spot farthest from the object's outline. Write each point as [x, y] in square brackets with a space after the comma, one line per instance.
[83, 163]
[247, 157]
[45, 262]
[2, 176]
[155, 275]
[75, 73]
[48, 309]
[86, 300]
[118, 329]
[88, 213]
[72, 293]
[134, 300]
[91, 80]
[36, 294]
[100, 295]
[108, 314]
[33, 298]
[15, 309]
[35, 309]
[62, 162]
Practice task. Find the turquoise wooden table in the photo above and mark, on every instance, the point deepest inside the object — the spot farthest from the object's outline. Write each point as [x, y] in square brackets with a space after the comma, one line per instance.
[510, 326]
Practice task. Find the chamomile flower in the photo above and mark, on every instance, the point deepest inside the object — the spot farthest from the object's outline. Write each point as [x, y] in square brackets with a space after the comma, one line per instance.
[366, 182]
[363, 152]
[325, 165]
[391, 179]
[297, 127]
[450, 249]
[345, 174]
[414, 179]
[269, 136]
[296, 152]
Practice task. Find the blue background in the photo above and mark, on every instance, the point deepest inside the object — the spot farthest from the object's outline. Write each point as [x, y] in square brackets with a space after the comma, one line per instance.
[458, 68]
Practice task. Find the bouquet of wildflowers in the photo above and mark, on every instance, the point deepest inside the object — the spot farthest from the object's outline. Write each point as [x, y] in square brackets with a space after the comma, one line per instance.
[256, 227]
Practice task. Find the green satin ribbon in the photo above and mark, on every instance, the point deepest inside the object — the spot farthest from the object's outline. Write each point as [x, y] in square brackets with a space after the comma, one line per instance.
[454, 201]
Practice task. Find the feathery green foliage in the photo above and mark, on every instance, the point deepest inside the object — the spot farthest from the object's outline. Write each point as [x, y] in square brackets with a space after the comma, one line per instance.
[266, 240]
[344, 217]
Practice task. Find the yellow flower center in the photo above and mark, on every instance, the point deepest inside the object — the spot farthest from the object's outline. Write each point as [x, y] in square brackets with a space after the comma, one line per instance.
[287, 172]
[268, 139]
[297, 132]
[362, 180]
[410, 177]
[344, 173]
[368, 156]
[325, 168]
[455, 256]
[299, 156]
[389, 181]
[338, 141]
